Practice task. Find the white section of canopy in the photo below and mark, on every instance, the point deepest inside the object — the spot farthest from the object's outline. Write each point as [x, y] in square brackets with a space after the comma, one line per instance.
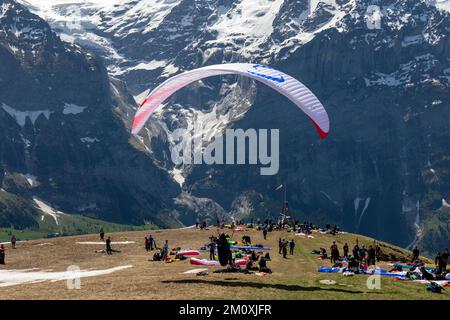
[288, 86]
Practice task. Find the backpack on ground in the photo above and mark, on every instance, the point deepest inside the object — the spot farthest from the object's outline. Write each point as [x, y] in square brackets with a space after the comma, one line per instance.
[434, 287]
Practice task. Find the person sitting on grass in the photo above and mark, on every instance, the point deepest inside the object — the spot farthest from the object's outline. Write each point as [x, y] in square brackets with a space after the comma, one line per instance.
[353, 265]
[263, 266]
[254, 256]
[323, 253]
[246, 240]
[250, 266]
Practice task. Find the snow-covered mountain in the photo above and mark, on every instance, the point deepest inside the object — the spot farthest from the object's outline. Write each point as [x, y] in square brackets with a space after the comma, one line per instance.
[63, 135]
[138, 37]
[382, 69]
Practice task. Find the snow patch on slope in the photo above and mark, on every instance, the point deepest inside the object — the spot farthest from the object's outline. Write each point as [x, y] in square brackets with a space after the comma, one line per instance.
[70, 108]
[177, 175]
[250, 19]
[31, 179]
[21, 116]
[443, 5]
[47, 209]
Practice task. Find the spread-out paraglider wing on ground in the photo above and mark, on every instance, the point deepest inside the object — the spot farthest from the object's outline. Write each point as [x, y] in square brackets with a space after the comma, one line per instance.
[293, 89]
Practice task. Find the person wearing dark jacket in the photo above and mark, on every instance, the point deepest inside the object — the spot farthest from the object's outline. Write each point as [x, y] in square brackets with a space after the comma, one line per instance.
[440, 263]
[445, 258]
[416, 253]
[284, 248]
[356, 252]
[371, 256]
[13, 241]
[212, 250]
[2, 254]
[345, 250]
[108, 246]
[263, 266]
[151, 242]
[291, 247]
[377, 253]
[334, 252]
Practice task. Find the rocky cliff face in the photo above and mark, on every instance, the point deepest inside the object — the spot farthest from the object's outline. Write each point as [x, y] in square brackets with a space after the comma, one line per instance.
[63, 134]
[384, 167]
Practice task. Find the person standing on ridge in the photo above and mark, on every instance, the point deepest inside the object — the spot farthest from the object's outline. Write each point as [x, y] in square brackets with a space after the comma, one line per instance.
[265, 233]
[165, 251]
[378, 252]
[356, 251]
[147, 244]
[363, 255]
[151, 242]
[334, 252]
[212, 249]
[2, 254]
[291, 247]
[345, 250]
[108, 246]
[445, 258]
[13, 241]
[415, 253]
[439, 262]
[371, 256]
[284, 248]
[102, 234]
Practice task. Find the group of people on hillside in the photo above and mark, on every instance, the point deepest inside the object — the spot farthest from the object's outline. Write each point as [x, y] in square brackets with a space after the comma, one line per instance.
[201, 226]
[163, 253]
[367, 257]
[108, 241]
[440, 260]
[283, 245]
[150, 243]
[262, 263]
[359, 255]
[3, 251]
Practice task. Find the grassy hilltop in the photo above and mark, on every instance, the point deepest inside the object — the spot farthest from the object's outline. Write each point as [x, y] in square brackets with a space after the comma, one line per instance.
[292, 278]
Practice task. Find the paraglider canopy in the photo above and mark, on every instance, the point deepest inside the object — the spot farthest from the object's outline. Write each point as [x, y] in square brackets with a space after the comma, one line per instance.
[293, 89]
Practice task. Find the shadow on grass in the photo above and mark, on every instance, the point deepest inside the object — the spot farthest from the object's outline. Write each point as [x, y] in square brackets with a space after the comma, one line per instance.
[287, 287]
